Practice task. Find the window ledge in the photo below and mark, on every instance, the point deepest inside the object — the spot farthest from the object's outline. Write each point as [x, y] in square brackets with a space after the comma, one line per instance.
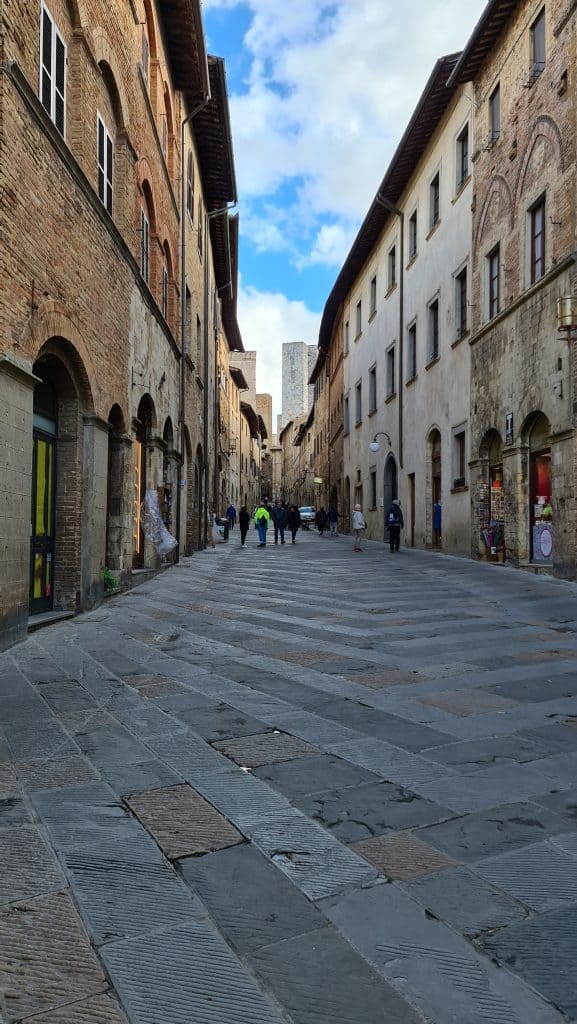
[461, 188]
[358, 423]
[432, 229]
[372, 411]
[411, 261]
[391, 289]
[461, 338]
[346, 432]
[372, 508]
[372, 315]
[460, 490]
[391, 397]
[411, 380]
[357, 336]
[432, 362]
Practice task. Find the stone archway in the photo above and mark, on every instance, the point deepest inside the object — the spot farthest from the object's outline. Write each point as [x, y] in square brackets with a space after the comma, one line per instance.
[199, 499]
[143, 477]
[434, 489]
[536, 439]
[65, 449]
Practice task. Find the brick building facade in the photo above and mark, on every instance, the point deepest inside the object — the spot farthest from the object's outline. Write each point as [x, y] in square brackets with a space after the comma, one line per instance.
[93, 379]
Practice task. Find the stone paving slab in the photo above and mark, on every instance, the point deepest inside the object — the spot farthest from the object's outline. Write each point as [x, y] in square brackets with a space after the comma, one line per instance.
[83, 815]
[467, 702]
[488, 833]
[486, 753]
[54, 772]
[437, 969]
[186, 974]
[136, 778]
[321, 980]
[407, 735]
[28, 866]
[251, 900]
[538, 689]
[553, 738]
[221, 722]
[463, 900]
[122, 891]
[391, 763]
[541, 876]
[269, 748]
[99, 1010]
[484, 789]
[181, 822]
[542, 951]
[401, 855]
[309, 856]
[112, 745]
[45, 957]
[14, 811]
[312, 775]
[9, 785]
[359, 812]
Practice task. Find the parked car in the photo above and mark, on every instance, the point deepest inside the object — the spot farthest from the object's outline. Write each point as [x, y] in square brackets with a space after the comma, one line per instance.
[307, 513]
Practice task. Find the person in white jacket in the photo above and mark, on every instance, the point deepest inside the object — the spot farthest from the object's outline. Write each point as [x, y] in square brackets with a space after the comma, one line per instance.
[359, 525]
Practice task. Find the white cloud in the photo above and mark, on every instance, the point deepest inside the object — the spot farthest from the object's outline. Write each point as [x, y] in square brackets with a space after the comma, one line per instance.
[330, 90]
[266, 320]
[331, 245]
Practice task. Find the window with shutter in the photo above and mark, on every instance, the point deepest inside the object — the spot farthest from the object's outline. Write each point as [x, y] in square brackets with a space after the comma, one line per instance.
[52, 71]
[190, 188]
[105, 165]
[165, 292]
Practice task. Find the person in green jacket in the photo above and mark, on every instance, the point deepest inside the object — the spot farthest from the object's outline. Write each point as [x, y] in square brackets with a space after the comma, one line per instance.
[261, 521]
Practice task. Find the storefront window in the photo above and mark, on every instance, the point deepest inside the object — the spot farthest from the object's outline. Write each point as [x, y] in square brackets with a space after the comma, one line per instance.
[541, 508]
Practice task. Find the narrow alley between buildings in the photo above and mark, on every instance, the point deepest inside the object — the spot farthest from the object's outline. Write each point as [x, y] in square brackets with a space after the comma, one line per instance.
[295, 784]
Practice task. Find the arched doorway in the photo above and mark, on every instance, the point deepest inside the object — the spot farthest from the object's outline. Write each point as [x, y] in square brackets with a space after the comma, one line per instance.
[541, 515]
[436, 488]
[61, 398]
[145, 424]
[115, 489]
[45, 425]
[190, 493]
[347, 508]
[199, 493]
[390, 490]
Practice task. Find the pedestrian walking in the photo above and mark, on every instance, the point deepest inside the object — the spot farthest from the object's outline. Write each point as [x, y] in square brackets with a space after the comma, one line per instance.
[333, 518]
[294, 521]
[231, 516]
[279, 515]
[321, 521]
[244, 523]
[261, 521]
[359, 525]
[395, 522]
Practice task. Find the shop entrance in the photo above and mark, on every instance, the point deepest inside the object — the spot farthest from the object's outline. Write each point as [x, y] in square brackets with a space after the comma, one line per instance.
[146, 422]
[45, 425]
[541, 510]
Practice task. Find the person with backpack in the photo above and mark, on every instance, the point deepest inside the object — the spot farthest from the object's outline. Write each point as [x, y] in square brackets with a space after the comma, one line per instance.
[333, 518]
[231, 516]
[395, 523]
[261, 521]
[321, 521]
[359, 525]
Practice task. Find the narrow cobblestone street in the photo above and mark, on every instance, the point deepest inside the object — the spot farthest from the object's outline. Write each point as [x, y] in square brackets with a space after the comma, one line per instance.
[295, 784]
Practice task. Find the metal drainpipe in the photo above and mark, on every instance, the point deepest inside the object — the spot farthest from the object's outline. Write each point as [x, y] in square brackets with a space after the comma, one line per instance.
[183, 334]
[399, 213]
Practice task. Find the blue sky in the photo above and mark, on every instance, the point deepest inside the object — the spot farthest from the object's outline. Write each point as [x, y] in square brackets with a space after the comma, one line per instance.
[320, 92]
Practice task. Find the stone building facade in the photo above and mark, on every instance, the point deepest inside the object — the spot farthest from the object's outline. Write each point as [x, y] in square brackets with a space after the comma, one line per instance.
[298, 361]
[94, 360]
[522, 59]
[394, 330]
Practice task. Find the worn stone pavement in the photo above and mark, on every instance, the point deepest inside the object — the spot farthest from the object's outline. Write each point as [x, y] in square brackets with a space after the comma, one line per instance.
[297, 784]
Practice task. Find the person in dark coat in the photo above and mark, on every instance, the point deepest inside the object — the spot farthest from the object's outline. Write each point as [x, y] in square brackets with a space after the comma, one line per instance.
[279, 517]
[244, 523]
[333, 518]
[395, 523]
[321, 521]
[293, 521]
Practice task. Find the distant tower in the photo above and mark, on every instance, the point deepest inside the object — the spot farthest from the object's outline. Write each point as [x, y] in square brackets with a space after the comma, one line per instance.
[298, 360]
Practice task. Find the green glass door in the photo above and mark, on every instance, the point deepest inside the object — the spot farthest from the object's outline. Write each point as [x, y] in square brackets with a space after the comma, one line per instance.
[42, 529]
